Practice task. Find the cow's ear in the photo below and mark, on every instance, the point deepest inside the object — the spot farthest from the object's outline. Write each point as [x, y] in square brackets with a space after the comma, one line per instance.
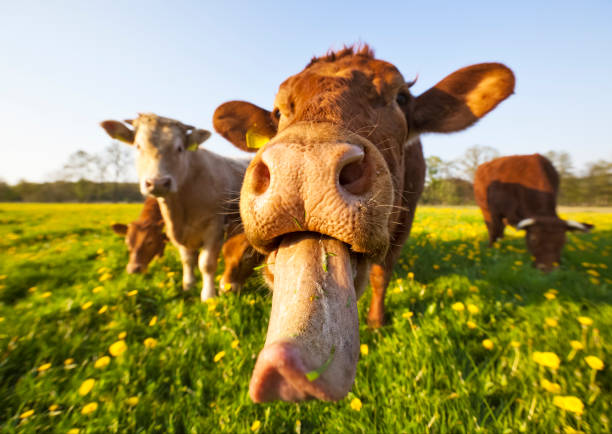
[576, 226]
[195, 138]
[235, 120]
[120, 229]
[462, 98]
[118, 131]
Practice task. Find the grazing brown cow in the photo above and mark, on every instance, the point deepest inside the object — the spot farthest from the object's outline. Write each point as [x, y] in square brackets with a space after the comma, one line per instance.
[145, 237]
[333, 192]
[521, 190]
[195, 189]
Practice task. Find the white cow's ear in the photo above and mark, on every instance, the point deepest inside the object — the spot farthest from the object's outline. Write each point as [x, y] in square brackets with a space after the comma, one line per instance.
[118, 131]
[525, 223]
[574, 225]
[195, 138]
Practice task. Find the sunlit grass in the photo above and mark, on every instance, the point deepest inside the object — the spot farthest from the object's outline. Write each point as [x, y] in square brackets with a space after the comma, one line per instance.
[476, 339]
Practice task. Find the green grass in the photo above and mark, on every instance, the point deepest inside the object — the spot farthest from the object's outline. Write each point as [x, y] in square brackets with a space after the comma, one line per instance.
[428, 371]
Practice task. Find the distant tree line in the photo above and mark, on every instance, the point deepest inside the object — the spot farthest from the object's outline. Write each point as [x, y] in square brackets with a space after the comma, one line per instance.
[103, 178]
[450, 182]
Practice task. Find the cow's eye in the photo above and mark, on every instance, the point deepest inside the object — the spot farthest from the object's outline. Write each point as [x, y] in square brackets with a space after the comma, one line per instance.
[401, 99]
[180, 149]
[276, 113]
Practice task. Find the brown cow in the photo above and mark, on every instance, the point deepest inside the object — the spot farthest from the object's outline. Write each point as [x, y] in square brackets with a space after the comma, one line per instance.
[521, 190]
[195, 189]
[145, 237]
[333, 192]
[240, 262]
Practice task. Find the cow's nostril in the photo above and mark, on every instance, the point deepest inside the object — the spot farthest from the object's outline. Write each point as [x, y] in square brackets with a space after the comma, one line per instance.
[260, 178]
[166, 183]
[148, 183]
[354, 177]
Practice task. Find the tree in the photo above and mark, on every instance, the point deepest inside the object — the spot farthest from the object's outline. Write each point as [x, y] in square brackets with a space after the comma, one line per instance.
[474, 157]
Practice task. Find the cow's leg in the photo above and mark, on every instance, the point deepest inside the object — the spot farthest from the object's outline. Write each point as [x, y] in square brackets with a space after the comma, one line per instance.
[208, 265]
[496, 228]
[188, 258]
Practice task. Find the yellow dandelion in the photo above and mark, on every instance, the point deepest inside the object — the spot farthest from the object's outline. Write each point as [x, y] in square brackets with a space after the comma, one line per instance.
[68, 361]
[518, 263]
[132, 293]
[569, 403]
[26, 414]
[488, 344]
[576, 345]
[472, 308]
[179, 315]
[97, 289]
[117, 348]
[593, 273]
[73, 431]
[356, 404]
[235, 343]
[549, 295]
[86, 386]
[594, 362]
[219, 356]
[43, 367]
[471, 325]
[256, 425]
[549, 386]
[122, 335]
[410, 275]
[132, 401]
[458, 306]
[86, 305]
[150, 342]
[407, 315]
[364, 349]
[105, 277]
[89, 408]
[546, 358]
[53, 407]
[515, 344]
[102, 362]
[103, 309]
[473, 288]
[436, 267]
[153, 321]
[551, 322]
[46, 294]
[585, 321]
[32, 289]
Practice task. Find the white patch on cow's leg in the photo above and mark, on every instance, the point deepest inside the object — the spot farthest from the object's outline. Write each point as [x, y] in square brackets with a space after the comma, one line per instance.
[207, 263]
[188, 258]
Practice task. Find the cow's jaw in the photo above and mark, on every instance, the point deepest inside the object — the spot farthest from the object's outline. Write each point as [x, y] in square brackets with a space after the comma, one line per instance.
[312, 345]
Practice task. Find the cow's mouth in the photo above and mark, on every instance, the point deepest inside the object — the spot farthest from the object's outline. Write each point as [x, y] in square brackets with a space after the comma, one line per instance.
[312, 345]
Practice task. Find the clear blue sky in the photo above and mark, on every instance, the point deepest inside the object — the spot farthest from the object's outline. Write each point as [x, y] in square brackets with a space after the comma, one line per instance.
[67, 65]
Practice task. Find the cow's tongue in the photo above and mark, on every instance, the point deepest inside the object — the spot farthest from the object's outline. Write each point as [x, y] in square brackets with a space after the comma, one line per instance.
[312, 345]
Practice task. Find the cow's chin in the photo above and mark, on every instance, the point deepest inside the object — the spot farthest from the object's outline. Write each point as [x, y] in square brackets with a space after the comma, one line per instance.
[312, 345]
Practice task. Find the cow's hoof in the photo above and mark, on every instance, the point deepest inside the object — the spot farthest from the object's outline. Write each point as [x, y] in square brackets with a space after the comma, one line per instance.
[376, 322]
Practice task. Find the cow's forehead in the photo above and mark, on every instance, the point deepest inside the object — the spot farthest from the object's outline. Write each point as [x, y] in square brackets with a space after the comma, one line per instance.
[158, 131]
[383, 75]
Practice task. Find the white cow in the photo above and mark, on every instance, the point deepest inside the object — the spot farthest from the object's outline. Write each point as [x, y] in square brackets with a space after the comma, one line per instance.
[197, 190]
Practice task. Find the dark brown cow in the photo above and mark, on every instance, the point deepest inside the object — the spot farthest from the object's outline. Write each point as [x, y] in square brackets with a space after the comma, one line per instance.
[521, 190]
[240, 262]
[333, 194]
[145, 237]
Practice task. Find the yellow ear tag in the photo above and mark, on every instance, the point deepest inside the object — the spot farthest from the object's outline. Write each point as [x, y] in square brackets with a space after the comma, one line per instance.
[192, 146]
[255, 140]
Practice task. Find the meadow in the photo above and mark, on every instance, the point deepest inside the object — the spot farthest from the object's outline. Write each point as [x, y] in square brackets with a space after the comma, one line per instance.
[477, 340]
